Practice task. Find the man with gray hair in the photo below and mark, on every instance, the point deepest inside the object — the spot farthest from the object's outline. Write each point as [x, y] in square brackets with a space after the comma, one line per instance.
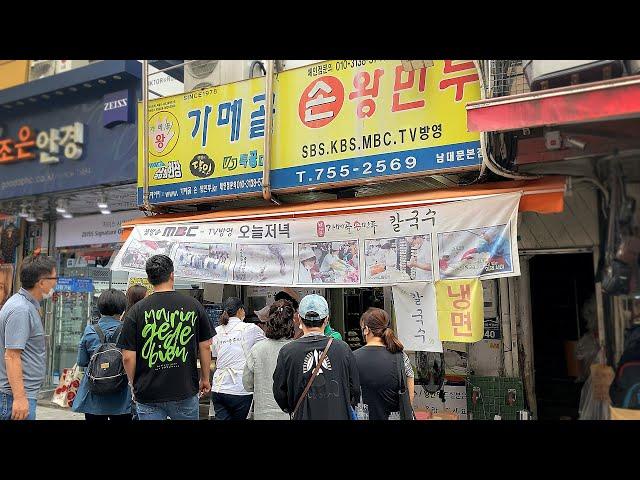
[22, 346]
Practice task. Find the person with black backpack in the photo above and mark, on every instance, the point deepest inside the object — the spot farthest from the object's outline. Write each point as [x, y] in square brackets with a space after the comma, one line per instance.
[104, 393]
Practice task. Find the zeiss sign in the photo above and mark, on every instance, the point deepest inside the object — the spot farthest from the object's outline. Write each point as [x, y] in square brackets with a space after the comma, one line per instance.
[117, 108]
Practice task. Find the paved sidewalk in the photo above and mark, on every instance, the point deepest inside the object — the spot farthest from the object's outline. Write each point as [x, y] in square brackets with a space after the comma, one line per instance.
[53, 413]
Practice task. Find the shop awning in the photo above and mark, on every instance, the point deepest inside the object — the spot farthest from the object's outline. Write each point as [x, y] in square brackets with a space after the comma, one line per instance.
[544, 195]
[606, 100]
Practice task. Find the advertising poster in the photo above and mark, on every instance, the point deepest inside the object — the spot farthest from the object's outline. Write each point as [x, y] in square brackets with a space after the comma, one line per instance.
[202, 260]
[476, 252]
[335, 122]
[399, 259]
[6, 282]
[270, 263]
[390, 247]
[329, 262]
[9, 239]
[416, 320]
[460, 310]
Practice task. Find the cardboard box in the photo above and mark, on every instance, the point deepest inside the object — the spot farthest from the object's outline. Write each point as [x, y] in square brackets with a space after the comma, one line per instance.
[13, 72]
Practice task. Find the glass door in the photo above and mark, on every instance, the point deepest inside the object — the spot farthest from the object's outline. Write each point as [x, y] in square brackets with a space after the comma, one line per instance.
[70, 313]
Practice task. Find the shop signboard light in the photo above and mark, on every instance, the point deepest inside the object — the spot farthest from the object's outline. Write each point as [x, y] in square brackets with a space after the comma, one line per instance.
[339, 122]
[23, 212]
[102, 203]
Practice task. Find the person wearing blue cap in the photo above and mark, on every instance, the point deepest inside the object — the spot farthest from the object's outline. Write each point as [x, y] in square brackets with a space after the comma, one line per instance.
[316, 376]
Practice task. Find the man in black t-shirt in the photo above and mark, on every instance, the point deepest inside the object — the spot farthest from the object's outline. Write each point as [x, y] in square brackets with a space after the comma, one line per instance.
[162, 337]
[336, 388]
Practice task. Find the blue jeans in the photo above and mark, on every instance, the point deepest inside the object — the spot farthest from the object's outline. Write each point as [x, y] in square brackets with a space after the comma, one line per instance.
[6, 404]
[187, 409]
[231, 407]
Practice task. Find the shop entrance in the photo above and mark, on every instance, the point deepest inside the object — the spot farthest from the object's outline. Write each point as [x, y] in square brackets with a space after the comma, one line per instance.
[560, 285]
[356, 302]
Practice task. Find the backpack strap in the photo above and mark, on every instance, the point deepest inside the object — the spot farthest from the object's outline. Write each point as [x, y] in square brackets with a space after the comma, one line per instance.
[100, 333]
[116, 334]
[103, 337]
[312, 378]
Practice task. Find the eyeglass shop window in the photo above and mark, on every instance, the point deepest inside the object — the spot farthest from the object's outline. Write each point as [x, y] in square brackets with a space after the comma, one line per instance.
[84, 273]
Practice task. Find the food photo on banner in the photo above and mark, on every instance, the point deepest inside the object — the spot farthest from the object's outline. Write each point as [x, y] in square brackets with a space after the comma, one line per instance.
[475, 252]
[399, 259]
[202, 260]
[264, 264]
[329, 262]
[138, 252]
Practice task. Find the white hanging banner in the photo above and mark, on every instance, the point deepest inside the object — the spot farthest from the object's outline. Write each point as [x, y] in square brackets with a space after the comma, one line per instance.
[456, 239]
[416, 317]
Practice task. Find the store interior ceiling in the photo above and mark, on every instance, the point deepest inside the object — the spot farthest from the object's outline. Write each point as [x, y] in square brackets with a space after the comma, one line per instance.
[384, 187]
[123, 197]
[77, 203]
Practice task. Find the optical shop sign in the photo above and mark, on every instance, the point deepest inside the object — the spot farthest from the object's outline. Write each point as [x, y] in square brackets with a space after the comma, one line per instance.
[335, 122]
[92, 229]
[457, 239]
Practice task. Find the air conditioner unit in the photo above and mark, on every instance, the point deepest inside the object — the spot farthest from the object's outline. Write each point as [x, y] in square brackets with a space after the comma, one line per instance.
[211, 73]
[66, 65]
[201, 74]
[543, 74]
[633, 66]
[41, 68]
[291, 64]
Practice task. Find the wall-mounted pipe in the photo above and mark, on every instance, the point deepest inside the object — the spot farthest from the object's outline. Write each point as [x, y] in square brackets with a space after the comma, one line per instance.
[268, 130]
[145, 134]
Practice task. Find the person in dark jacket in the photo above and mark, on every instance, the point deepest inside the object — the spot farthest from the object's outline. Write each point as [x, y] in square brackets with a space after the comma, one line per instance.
[113, 406]
[336, 388]
[135, 293]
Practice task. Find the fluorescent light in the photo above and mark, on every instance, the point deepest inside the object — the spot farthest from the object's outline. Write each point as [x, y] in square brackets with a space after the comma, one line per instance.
[23, 212]
[105, 211]
[31, 217]
[102, 203]
[67, 215]
[60, 207]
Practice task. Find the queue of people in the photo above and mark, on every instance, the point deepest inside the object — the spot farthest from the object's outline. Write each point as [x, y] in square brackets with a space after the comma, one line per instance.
[292, 366]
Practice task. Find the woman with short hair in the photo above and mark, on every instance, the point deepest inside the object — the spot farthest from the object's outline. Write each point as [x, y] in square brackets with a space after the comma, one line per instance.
[262, 359]
[111, 406]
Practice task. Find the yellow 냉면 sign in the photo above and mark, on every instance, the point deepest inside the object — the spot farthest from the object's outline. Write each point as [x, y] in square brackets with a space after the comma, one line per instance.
[335, 122]
[460, 310]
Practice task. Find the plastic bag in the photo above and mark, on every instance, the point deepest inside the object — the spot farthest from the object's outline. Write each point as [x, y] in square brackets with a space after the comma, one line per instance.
[68, 386]
[587, 350]
[594, 398]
